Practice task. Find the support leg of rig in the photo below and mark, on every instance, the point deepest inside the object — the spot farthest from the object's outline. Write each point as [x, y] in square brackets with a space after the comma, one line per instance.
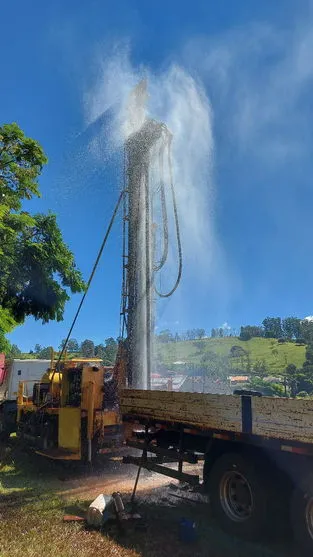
[143, 459]
[132, 500]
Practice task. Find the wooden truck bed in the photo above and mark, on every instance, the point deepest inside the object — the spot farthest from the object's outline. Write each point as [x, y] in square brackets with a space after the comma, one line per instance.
[274, 418]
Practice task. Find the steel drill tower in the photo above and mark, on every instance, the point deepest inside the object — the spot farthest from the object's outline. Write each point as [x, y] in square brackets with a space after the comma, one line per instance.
[150, 139]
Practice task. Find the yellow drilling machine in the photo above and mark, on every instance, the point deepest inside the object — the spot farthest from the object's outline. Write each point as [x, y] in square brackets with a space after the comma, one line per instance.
[73, 411]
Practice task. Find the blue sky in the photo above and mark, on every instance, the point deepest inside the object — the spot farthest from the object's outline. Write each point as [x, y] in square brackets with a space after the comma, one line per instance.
[254, 61]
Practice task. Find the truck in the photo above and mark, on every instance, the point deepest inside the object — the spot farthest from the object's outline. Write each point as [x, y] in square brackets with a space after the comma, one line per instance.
[14, 371]
[257, 454]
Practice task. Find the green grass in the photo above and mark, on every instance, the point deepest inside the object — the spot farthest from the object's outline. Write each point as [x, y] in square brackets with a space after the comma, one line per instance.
[276, 355]
[32, 507]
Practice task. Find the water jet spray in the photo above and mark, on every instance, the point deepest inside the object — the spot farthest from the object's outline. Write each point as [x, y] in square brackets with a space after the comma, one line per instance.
[149, 140]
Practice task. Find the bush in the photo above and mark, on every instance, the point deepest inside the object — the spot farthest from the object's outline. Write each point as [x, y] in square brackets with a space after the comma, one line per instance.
[302, 394]
[282, 340]
[237, 351]
[300, 341]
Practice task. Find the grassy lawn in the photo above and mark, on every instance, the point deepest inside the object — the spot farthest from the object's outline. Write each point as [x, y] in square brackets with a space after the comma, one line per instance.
[276, 355]
[35, 495]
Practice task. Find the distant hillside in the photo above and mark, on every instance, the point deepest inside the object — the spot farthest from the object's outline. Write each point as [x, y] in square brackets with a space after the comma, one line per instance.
[276, 356]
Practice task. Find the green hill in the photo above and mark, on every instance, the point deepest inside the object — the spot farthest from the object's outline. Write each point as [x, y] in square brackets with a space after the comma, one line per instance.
[275, 355]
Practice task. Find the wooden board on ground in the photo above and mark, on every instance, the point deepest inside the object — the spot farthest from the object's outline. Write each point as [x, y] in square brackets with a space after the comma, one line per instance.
[274, 418]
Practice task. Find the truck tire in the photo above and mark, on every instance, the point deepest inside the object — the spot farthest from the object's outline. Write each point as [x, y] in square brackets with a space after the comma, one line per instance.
[301, 517]
[238, 495]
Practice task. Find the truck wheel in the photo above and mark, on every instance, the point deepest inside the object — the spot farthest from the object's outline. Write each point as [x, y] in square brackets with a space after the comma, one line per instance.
[301, 517]
[237, 495]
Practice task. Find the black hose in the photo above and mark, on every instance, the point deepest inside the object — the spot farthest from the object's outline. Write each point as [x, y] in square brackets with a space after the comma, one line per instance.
[179, 248]
[158, 266]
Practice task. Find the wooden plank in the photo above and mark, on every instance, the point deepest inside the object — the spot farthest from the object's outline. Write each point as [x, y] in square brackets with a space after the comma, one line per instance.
[283, 418]
[274, 418]
[195, 409]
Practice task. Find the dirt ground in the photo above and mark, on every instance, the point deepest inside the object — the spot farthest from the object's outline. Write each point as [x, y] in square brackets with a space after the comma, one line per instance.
[35, 494]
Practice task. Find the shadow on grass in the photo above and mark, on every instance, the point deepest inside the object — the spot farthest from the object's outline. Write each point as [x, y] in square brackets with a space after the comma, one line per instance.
[28, 481]
[159, 534]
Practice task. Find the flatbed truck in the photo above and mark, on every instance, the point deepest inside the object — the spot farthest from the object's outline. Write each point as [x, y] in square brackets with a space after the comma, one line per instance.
[257, 454]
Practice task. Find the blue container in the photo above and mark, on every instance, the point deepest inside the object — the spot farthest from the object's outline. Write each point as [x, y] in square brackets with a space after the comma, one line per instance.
[187, 530]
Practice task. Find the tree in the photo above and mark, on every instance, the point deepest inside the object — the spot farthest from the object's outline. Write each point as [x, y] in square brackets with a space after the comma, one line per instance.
[306, 330]
[259, 368]
[272, 327]
[110, 351]
[291, 327]
[267, 389]
[45, 353]
[213, 333]
[36, 268]
[200, 333]
[100, 351]
[72, 345]
[110, 342]
[250, 331]
[165, 336]
[308, 355]
[37, 349]
[291, 376]
[7, 324]
[14, 351]
[221, 332]
[245, 333]
[87, 348]
[237, 352]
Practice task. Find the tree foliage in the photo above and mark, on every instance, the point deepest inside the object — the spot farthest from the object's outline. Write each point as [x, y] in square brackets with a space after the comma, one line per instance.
[250, 331]
[272, 327]
[291, 327]
[45, 353]
[306, 331]
[36, 267]
[7, 324]
[72, 345]
[87, 348]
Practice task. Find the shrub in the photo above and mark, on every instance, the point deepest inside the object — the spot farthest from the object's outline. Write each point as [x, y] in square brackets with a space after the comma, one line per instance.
[302, 394]
[237, 351]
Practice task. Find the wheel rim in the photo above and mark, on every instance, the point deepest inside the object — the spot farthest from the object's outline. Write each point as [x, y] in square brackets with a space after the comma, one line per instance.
[309, 516]
[236, 496]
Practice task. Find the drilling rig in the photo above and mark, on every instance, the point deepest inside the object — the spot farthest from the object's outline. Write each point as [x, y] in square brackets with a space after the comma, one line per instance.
[73, 413]
[148, 145]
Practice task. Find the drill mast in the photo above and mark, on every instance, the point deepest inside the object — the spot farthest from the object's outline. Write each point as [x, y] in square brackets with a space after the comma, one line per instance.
[146, 145]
